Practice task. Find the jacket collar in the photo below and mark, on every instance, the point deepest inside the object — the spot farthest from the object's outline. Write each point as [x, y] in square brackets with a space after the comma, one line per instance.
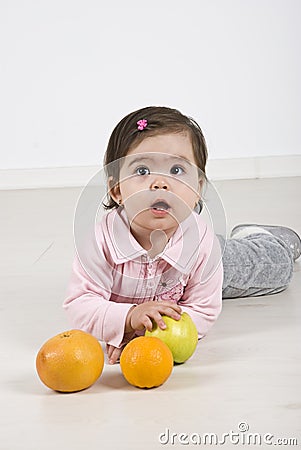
[181, 251]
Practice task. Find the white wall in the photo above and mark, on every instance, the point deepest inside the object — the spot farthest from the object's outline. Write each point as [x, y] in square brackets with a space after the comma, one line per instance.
[71, 69]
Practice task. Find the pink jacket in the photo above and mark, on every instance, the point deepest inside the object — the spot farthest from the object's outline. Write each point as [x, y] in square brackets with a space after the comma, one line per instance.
[111, 272]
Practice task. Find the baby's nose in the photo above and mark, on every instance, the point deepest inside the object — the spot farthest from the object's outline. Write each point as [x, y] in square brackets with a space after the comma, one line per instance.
[159, 184]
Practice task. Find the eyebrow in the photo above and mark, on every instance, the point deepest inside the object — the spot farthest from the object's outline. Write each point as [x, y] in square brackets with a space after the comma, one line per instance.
[146, 158]
[139, 159]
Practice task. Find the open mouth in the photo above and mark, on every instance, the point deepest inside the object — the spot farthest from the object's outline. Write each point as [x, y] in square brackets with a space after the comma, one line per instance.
[160, 205]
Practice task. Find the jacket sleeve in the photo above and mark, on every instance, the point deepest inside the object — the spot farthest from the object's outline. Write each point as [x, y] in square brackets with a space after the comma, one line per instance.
[202, 297]
[88, 304]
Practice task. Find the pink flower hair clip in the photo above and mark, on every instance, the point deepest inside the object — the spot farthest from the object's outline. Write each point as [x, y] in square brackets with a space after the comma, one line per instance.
[142, 124]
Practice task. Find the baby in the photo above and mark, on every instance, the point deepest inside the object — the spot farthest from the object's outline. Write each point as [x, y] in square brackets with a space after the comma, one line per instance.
[152, 254]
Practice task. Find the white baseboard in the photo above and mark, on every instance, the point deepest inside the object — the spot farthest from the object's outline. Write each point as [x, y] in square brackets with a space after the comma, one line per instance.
[50, 177]
[258, 167]
[217, 169]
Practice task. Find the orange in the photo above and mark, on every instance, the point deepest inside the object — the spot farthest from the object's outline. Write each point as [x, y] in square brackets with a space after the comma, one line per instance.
[70, 361]
[146, 362]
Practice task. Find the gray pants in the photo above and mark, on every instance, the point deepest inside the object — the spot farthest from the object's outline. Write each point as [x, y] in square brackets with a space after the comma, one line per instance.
[259, 264]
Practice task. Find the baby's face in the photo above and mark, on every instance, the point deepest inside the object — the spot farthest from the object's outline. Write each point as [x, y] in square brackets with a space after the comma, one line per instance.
[160, 182]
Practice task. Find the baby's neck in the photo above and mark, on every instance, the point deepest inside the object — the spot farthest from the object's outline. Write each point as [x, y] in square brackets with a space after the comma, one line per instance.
[154, 243]
[158, 240]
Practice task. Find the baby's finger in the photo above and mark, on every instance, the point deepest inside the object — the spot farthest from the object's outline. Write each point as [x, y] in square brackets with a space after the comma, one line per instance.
[110, 349]
[171, 305]
[170, 312]
[175, 307]
[115, 355]
[159, 321]
[174, 314]
[148, 324]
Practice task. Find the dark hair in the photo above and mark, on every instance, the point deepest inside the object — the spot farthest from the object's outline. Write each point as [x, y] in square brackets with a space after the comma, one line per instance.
[160, 120]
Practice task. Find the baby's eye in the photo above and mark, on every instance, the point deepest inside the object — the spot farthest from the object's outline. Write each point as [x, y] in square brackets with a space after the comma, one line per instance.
[142, 170]
[177, 170]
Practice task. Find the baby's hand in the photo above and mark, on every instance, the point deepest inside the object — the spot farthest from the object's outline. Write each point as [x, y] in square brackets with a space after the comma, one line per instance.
[141, 316]
[113, 353]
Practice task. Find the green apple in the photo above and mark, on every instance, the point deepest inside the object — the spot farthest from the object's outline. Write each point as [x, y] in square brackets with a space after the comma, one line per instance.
[180, 336]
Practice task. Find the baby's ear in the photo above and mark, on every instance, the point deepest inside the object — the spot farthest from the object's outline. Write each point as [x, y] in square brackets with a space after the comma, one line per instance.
[201, 185]
[114, 189]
